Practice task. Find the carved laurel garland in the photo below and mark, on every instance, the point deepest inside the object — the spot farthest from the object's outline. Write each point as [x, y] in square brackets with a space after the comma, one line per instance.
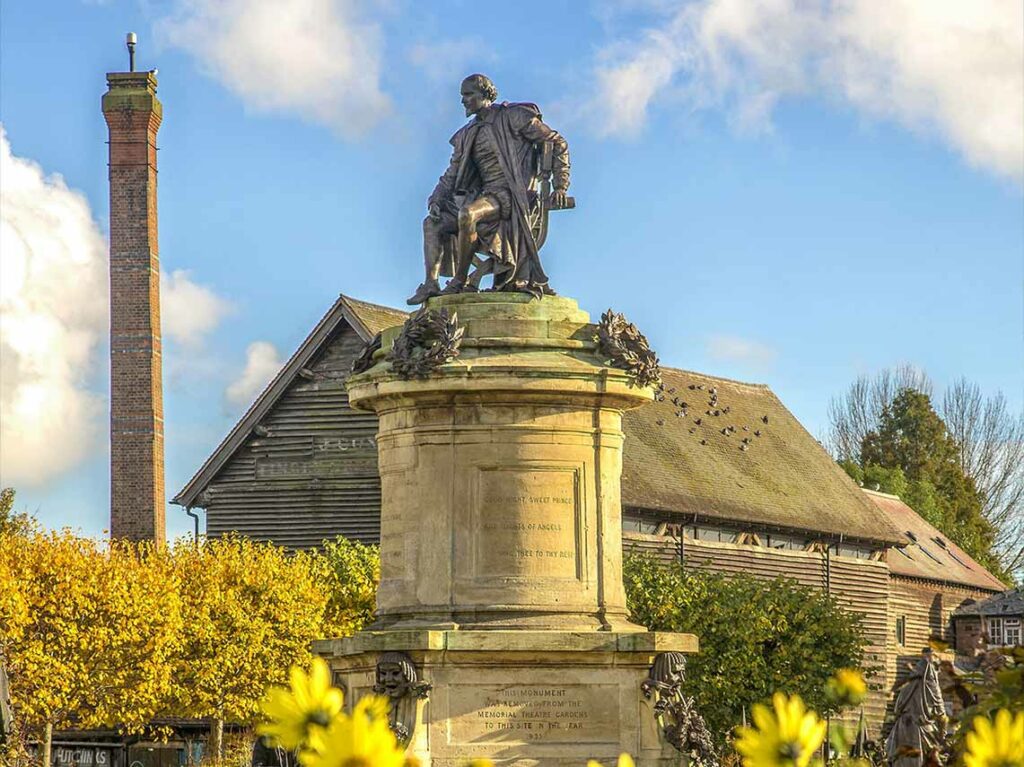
[364, 361]
[627, 348]
[428, 340]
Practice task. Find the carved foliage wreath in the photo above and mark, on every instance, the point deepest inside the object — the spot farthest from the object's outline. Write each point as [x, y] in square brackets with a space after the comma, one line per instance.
[428, 340]
[626, 347]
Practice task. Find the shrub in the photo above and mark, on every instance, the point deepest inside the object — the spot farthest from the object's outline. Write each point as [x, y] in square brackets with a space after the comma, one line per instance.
[757, 637]
[351, 571]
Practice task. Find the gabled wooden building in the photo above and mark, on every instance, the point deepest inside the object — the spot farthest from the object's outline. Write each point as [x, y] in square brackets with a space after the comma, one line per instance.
[746, 489]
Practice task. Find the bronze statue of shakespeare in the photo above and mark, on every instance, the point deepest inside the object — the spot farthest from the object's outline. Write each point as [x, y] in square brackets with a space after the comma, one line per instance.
[494, 198]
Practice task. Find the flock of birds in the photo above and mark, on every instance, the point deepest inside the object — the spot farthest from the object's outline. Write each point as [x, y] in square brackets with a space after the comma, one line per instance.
[714, 410]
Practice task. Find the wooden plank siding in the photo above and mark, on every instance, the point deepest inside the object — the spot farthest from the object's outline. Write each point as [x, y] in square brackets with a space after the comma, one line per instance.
[860, 585]
[926, 607]
[309, 471]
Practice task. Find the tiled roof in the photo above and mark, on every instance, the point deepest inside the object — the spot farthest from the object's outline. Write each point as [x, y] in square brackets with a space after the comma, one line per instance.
[929, 554]
[1008, 603]
[784, 480]
[375, 317]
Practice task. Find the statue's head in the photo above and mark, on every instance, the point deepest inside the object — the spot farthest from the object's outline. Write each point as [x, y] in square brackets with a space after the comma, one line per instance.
[395, 673]
[668, 668]
[478, 92]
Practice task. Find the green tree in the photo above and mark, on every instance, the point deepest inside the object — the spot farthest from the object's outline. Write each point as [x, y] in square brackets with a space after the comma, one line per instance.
[913, 455]
[757, 637]
[351, 572]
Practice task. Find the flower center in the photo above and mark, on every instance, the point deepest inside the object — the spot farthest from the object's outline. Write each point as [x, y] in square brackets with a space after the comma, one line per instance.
[357, 761]
[790, 751]
[319, 717]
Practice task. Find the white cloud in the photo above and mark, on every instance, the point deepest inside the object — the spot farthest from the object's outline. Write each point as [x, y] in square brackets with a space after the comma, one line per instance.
[319, 59]
[189, 311]
[53, 314]
[448, 61]
[944, 67]
[735, 349]
[262, 362]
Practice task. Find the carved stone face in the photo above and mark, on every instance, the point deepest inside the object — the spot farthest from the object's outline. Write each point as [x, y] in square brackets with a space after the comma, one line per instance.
[391, 677]
[472, 98]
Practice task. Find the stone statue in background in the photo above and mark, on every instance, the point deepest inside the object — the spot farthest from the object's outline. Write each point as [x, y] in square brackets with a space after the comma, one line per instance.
[494, 197]
[919, 725]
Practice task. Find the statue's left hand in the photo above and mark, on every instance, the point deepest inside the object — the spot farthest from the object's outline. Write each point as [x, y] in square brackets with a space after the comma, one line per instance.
[558, 199]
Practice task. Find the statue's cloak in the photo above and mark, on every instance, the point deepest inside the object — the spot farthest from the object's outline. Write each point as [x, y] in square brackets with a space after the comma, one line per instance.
[509, 240]
[918, 713]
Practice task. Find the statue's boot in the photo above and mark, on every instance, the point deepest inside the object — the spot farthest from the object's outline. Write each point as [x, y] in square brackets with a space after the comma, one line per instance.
[427, 289]
[454, 286]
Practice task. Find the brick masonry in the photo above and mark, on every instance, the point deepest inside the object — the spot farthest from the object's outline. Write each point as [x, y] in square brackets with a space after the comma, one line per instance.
[137, 500]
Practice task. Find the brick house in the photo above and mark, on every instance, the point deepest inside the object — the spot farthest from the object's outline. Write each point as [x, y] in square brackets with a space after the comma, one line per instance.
[997, 621]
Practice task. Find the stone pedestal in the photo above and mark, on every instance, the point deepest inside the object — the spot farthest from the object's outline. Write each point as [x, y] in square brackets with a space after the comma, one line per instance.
[520, 697]
[501, 550]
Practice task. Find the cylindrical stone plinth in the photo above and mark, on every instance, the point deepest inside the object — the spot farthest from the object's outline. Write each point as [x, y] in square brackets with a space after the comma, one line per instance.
[500, 473]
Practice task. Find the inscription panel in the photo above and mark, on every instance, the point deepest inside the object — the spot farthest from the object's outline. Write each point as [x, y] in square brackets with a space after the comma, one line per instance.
[527, 523]
[574, 713]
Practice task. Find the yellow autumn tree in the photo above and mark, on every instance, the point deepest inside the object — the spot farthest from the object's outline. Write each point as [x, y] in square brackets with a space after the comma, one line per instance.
[88, 631]
[250, 611]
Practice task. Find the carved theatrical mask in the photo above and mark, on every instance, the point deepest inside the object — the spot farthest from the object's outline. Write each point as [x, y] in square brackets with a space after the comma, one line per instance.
[398, 680]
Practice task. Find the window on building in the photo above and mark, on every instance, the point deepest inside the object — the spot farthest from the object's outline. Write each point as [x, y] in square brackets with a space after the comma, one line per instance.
[995, 631]
[1011, 631]
[636, 524]
[846, 550]
[788, 542]
[901, 629]
[713, 534]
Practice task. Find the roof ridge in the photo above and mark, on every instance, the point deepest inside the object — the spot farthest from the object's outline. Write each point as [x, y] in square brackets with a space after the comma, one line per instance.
[752, 385]
[883, 495]
[371, 303]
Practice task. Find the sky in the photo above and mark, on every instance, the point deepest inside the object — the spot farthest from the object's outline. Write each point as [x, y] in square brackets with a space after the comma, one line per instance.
[779, 191]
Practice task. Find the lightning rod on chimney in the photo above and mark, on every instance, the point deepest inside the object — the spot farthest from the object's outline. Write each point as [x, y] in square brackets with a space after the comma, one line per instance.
[131, 39]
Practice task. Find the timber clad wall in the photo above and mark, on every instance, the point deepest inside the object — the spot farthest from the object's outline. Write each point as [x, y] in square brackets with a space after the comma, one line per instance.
[309, 470]
[862, 585]
[925, 609]
[137, 501]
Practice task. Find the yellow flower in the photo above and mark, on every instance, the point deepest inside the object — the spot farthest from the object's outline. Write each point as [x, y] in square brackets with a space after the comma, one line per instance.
[361, 740]
[998, 745]
[625, 760]
[787, 736]
[847, 687]
[310, 704]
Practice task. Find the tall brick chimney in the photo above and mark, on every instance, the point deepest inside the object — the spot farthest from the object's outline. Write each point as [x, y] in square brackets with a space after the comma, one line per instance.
[137, 502]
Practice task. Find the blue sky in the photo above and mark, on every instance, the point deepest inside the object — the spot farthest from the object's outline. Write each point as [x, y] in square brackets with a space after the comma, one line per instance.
[772, 192]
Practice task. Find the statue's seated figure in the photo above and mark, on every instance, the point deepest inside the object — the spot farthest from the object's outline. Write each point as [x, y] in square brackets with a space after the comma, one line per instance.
[494, 198]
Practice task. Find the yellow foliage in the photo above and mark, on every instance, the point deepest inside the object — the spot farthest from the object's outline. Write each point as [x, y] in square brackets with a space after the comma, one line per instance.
[250, 611]
[88, 631]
